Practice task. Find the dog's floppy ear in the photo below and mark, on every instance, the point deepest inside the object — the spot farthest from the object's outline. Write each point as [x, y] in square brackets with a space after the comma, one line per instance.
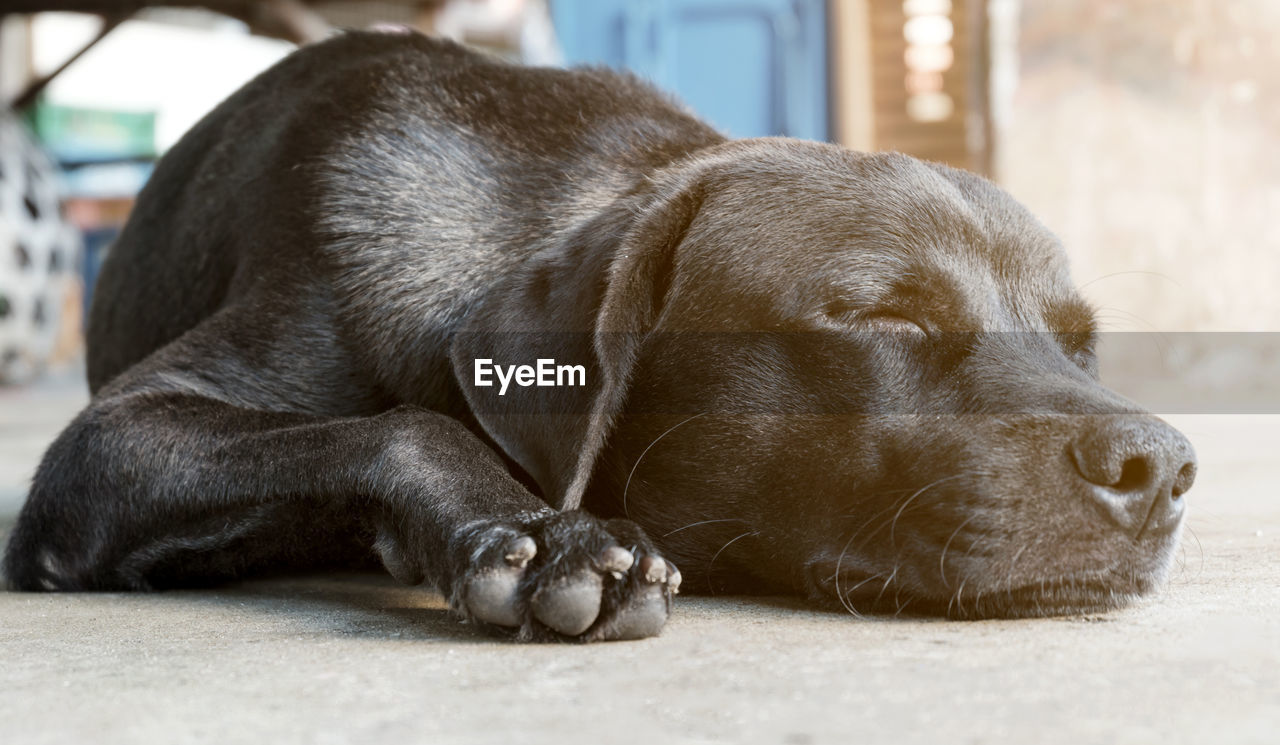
[586, 300]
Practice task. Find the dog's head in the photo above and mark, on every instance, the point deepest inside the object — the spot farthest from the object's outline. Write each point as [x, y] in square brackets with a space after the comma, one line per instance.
[861, 376]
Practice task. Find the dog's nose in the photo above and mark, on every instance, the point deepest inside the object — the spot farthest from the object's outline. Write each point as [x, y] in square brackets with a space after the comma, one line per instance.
[1138, 468]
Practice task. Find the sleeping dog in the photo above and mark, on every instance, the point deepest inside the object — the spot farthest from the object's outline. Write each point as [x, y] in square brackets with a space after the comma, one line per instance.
[538, 337]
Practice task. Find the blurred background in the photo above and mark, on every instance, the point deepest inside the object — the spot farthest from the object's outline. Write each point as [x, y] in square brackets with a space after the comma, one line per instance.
[1145, 133]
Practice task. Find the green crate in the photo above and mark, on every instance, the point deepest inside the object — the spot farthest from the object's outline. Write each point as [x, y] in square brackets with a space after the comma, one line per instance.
[72, 133]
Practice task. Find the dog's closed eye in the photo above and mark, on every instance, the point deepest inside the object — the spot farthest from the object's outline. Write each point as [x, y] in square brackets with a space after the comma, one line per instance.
[892, 323]
[876, 320]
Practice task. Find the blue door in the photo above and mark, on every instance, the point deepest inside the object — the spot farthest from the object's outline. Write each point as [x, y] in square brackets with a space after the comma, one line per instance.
[750, 67]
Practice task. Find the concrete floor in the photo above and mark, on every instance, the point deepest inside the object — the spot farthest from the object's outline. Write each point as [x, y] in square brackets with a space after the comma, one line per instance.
[359, 659]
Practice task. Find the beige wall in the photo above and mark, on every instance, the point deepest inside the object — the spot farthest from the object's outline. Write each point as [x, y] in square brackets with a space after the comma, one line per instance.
[1146, 133]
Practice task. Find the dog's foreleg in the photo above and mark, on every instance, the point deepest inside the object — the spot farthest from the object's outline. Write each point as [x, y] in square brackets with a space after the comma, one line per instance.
[160, 489]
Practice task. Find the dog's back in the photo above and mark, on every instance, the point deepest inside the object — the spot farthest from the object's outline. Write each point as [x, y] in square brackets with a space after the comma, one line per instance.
[377, 166]
[174, 263]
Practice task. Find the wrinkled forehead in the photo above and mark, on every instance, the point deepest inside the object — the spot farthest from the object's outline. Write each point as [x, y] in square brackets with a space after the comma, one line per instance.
[829, 222]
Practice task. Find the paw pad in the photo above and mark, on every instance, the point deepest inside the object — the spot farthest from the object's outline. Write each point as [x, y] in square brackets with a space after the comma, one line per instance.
[567, 575]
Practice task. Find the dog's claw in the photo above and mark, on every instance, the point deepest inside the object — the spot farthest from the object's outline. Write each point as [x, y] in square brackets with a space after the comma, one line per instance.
[521, 551]
[653, 569]
[615, 560]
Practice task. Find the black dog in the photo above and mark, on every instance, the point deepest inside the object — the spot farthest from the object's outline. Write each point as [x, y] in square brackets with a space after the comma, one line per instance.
[799, 368]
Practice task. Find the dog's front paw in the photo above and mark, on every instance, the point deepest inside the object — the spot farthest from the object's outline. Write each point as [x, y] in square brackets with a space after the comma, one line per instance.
[564, 575]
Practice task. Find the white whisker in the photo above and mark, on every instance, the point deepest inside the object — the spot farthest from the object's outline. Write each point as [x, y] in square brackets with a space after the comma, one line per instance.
[711, 563]
[922, 490]
[644, 452]
[942, 560]
[705, 522]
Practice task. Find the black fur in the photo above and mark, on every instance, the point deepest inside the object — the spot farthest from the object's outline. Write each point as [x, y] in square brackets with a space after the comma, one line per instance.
[858, 376]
